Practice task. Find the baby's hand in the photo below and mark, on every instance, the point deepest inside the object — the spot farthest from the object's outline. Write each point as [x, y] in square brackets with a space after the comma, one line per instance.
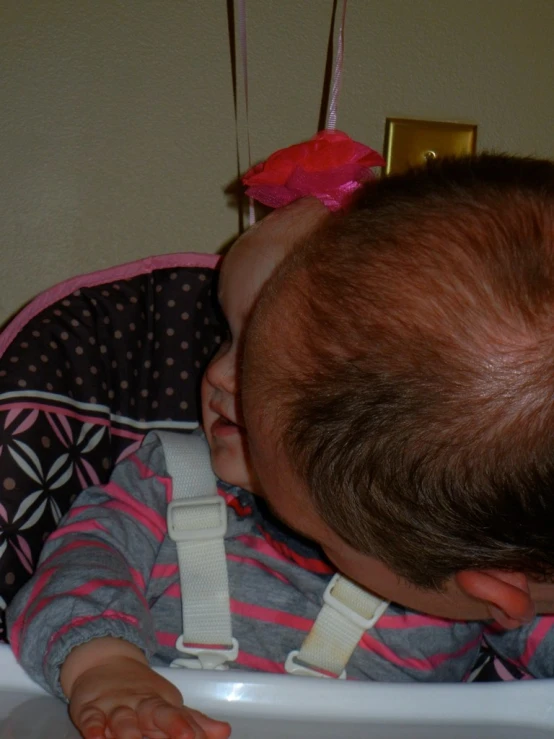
[121, 697]
[128, 700]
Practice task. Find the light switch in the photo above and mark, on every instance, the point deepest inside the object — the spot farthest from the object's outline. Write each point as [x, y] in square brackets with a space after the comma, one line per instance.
[410, 142]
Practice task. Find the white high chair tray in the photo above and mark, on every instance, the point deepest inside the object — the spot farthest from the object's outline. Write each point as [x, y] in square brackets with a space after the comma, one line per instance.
[278, 707]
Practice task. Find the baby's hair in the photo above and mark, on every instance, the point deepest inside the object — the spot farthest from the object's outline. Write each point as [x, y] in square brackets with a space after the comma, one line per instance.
[414, 395]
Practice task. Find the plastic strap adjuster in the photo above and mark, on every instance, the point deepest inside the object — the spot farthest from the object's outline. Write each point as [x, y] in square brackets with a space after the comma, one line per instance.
[202, 510]
[294, 667]
[353, 616]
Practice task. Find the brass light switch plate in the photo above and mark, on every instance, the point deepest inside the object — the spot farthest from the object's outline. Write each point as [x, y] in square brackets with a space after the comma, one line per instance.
[410, 142]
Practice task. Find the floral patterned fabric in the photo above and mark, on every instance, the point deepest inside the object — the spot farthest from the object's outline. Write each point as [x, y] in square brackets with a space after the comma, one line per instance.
[81, 383]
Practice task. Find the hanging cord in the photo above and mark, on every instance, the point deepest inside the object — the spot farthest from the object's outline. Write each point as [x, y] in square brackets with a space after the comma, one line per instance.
[233, 58]
[244, 57]
[331, 121]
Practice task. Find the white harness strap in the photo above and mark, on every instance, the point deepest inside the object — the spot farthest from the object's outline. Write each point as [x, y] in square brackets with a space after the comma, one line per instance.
[348, 611]
[197, 522]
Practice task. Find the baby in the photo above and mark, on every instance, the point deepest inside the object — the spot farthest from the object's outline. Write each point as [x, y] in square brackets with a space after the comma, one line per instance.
[105, 602]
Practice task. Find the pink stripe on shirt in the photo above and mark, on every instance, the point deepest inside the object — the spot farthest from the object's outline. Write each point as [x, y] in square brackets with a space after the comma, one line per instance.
[41, 582]
[259, 663]
[81, 527]
[142, 513]
[258, 565]
[76, 510]
[115, 505]
[164, 570]
[282, 553]
[166, 638]
[412, 621]
[85, 589]
[307, 563]
[270, 615]
[80, 621]
[539, 632]
[138, 579]
[233, 502]
[79, 544]
[146, 473]
[371, 644]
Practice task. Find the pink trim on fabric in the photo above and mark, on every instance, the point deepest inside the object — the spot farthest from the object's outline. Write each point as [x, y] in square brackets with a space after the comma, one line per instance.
[101, 277]
[535, 638]
[271, 615]
[259, 663]
[57, 411]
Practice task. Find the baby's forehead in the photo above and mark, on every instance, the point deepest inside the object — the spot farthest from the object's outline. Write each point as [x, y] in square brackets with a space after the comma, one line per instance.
[250, 262]
[279, 231]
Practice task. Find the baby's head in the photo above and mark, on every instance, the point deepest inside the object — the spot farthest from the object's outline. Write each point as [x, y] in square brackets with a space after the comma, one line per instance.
[245, 269]
[303, 183]
[406, 422]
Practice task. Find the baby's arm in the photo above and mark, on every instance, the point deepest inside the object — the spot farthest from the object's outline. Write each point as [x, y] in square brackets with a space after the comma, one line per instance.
[85, 608]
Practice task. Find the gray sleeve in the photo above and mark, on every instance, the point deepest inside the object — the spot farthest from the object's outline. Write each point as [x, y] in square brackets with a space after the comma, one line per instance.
[93, 572]
[530, 648]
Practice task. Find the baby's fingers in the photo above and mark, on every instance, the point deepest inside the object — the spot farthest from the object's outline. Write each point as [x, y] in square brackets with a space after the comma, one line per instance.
[182, 723]
[212, 728]
[91, 722]
[123, 723]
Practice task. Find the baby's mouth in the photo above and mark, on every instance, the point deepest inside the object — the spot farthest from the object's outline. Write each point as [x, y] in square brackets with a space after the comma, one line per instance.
[227, 421]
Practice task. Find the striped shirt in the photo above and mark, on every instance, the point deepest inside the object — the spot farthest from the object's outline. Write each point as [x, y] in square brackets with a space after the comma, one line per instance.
[110, 569]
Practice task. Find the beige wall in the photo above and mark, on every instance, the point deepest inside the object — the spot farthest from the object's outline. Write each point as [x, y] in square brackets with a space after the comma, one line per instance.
[116, 116]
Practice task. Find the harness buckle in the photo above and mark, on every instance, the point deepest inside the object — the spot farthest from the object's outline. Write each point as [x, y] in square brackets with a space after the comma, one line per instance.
[205, 519]
[205, 657]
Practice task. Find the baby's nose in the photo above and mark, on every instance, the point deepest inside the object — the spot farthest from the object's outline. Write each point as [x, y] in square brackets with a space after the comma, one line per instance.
[222, 375]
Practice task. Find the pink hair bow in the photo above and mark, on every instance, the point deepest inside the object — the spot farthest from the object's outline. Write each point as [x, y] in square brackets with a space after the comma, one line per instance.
[330, 166]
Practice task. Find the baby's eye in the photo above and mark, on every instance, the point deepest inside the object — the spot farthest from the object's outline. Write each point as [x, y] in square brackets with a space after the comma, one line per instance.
[223, 329]
[225, 336]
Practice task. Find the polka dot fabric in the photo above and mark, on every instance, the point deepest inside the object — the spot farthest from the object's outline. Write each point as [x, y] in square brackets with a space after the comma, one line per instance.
[81, 384]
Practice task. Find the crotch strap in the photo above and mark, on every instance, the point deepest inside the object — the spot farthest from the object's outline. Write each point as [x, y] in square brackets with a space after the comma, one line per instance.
[197, 522]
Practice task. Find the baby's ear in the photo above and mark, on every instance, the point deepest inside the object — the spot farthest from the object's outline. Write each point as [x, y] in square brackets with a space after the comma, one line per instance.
[506, 595]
